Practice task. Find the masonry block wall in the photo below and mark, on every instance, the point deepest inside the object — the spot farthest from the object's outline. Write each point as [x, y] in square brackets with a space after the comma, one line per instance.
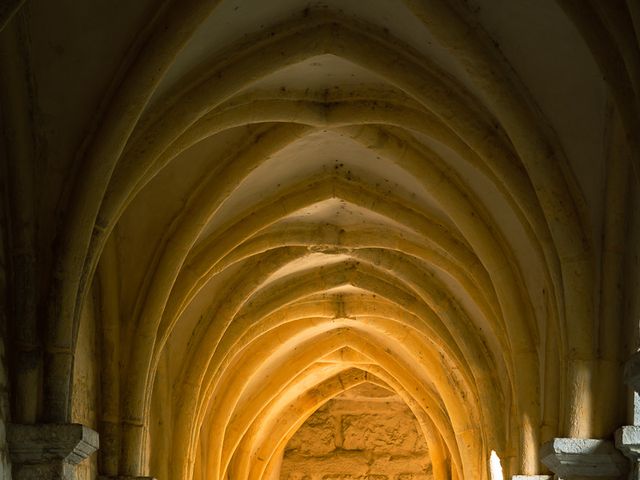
[366, 433]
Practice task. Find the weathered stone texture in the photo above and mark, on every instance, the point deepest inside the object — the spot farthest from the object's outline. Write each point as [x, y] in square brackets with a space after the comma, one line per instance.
[85, 398]
[5, 466]
[50, 451]
[317, 436]
[364, 434]
[575, 457]
[380, 432]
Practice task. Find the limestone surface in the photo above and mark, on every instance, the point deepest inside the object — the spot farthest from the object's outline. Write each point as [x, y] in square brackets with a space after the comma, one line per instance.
[366, 433]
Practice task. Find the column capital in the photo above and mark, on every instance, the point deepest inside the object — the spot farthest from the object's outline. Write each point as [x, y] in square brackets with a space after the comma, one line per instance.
[49, 451]
[583, 457]
[531, 477]
[628, 441]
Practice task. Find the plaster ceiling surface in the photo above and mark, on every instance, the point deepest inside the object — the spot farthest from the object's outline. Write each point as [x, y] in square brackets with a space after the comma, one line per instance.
[234, 21]
[339, 213]
[158, 202]
[310, 261]
[345, 290]
[306, 197]
[541, 44]
[318, 74]
[321, 154]
[68, 76]
[509, 225]
[84, 68]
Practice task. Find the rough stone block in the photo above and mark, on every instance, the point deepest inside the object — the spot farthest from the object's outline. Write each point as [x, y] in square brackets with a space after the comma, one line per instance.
[379, 433]
[316, 437]
[578, 457]
[413, 476]
[297, 476]
[364, 434]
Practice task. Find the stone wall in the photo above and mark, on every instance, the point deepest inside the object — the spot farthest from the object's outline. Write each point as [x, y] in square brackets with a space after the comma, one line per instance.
[367, 433]
[631, 285]
[5, 468]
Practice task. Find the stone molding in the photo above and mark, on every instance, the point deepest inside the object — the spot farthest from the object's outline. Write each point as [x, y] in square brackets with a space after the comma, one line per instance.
[583, 457]
[121, 477]
[49, 451]
[628, 441]
[531, 477]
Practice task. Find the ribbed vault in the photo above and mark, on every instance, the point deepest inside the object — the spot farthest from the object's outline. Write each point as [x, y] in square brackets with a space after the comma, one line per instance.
[284, 200]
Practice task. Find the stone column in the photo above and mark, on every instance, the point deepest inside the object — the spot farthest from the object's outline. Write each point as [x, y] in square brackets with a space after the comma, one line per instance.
[578, 458]
[632, 372]
[49, 451]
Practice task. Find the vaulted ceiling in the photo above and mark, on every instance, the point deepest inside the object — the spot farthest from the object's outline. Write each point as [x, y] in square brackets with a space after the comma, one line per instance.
[274, 202]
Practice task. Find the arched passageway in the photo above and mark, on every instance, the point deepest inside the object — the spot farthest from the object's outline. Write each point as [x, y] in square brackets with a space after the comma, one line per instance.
[237, 211]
